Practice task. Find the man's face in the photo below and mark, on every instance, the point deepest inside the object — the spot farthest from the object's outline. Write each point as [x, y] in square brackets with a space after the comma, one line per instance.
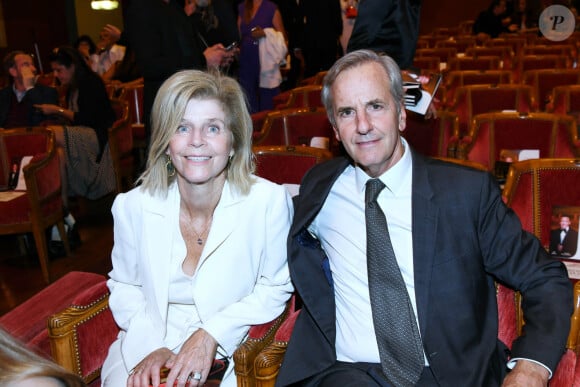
[500, 8]
[564, 222]
[366, 118]
[105, 42]
[23, 65]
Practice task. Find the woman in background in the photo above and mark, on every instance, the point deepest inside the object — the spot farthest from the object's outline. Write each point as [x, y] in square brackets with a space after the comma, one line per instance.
[254, 17]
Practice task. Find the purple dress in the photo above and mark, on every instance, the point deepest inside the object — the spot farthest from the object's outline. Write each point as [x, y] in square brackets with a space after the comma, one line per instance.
[249, 71]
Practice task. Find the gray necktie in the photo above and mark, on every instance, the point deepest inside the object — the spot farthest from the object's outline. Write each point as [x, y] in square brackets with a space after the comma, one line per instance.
[398, 338]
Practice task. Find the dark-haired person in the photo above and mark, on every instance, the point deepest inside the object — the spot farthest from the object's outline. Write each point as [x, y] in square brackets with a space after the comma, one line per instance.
[88, 164]
[564, 239]
[17, 100]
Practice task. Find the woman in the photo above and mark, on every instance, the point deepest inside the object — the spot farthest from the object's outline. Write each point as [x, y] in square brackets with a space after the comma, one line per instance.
[254, 18]
[89, 168]
[20, 367]
[200, 245]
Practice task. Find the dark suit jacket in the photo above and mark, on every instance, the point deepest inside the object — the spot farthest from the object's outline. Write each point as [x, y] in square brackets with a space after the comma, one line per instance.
[37, 95]
[387, 26]
[164, 41]
[569, 245]
[458, 251]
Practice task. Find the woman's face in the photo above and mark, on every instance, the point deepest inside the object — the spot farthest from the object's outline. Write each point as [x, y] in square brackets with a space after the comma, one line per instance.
[202, 144]
[63, 73]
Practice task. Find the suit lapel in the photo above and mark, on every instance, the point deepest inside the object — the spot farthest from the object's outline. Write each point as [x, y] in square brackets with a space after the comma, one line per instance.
[425, 216]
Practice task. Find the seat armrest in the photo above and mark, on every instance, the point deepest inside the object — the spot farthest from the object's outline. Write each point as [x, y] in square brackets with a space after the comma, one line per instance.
[81, 334]
[258, 338]
[269, 360]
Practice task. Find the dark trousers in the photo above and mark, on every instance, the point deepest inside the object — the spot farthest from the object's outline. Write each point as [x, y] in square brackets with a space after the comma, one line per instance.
[360, 375]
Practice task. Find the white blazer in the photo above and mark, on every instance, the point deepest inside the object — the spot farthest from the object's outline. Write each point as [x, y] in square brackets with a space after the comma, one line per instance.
[242, 273]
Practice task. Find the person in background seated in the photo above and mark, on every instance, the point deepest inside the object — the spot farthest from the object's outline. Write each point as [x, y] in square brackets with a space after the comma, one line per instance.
[20, 367]
[491, 22]
[17, 100]
[383, 204]
[199, 247]
[87, 164]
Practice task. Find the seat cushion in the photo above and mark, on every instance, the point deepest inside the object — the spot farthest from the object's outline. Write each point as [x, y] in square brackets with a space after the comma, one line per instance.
[27, 322]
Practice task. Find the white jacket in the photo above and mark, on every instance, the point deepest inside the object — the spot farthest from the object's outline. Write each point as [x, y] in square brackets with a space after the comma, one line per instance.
[272, 50]
[242, 275]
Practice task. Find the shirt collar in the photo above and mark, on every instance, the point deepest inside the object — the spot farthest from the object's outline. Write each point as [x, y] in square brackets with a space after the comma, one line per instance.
[19, 94]
[397, 179]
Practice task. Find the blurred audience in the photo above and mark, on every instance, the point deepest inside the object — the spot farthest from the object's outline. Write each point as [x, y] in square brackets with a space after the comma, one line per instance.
[17, 100]
[108, 54]
[491, 22]
[87, 48]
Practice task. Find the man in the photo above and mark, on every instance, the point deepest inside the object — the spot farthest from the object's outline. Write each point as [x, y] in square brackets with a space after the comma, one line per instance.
[451, 235]
[564, 240]
[164, 41]
[390, 27]
[17, 100]
[107, 56]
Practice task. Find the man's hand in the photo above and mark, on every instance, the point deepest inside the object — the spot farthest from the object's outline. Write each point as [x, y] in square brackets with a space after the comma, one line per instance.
[113, 32]
[527, 374]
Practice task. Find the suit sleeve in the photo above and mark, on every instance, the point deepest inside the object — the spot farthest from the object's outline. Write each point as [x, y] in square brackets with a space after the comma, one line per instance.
[517, 258]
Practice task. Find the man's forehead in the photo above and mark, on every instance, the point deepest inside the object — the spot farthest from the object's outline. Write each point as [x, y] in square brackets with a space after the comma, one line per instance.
[22, 58]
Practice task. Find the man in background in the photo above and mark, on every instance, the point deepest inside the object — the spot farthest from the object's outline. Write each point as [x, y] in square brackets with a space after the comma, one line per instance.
[17, 100]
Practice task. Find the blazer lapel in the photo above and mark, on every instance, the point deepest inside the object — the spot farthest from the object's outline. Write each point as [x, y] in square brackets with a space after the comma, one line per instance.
[425, 216]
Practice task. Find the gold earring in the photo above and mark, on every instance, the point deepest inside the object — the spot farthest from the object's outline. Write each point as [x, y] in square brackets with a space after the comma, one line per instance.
[170, 167]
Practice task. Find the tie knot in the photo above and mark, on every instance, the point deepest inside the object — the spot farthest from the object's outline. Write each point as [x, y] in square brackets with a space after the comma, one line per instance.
[373, 188]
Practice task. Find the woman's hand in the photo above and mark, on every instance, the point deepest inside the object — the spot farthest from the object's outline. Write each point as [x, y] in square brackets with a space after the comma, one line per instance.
[257, 33]
[48, 109]
[148, 370]
[196, 356]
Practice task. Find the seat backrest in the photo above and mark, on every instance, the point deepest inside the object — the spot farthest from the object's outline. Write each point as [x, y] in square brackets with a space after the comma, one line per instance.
[427, 63]
[19, 142]
[304, 96]
[460, 43]
[566, 100]
[134, 97]
[120, 136]
[491, 133]
[515, 43]
[471, 100]
[287, 164]
[504, 52]
[296, 126]
[543, 82]
[536, 62]
[443, 53]
[455, 79]
[534, 187]
[432, 137]
[474, 63]
[567, 50]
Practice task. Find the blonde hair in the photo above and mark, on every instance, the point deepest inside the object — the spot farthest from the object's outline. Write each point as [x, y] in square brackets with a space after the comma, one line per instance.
[168, 111]
[18, 363]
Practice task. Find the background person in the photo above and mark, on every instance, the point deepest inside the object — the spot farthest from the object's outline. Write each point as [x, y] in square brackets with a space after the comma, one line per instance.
[446, 269]
[17, 100]
[20, 367]
[199, 247]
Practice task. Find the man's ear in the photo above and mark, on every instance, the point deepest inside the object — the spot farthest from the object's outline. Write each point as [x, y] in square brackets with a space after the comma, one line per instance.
[336, 134]
[13, 72]
[402, 119]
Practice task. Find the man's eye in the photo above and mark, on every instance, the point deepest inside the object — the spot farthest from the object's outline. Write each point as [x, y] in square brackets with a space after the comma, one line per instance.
[345, 112]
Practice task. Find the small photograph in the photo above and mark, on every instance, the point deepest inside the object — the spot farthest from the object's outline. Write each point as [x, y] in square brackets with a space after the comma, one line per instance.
[564, 232]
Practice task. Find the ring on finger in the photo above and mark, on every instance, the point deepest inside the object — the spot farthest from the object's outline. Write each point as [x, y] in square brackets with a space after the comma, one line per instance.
[197, 375]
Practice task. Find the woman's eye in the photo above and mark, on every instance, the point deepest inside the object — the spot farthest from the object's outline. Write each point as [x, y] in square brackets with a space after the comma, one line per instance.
[182, 129]
[212, 129]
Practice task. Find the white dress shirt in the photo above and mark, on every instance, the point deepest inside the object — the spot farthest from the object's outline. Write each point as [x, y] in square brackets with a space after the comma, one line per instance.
[341, 229]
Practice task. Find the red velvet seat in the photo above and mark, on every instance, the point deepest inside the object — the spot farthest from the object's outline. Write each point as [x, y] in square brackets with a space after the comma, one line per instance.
[566, 100]
[454, 79]
[553, 135]
[516, 43]
[304, 96]
[121, 146]
[536, 62]
[544, 81]
[27, 322]
[41, 206]
[427, 63]
[459, 43]
[504, 52]
[432, 137]
[471, 100]
[474, 63]
[296, 126]
[287, 164]
[443, 53]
